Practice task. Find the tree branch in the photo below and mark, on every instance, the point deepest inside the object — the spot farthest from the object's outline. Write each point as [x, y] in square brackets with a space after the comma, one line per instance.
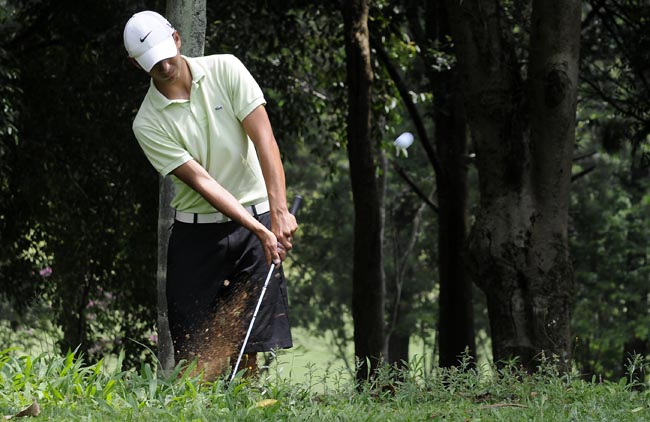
[583, 173]
[611, 101]
[400, 171]
[583, 156]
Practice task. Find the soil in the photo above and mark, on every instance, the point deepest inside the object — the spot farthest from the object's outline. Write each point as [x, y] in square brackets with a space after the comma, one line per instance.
[219, 342]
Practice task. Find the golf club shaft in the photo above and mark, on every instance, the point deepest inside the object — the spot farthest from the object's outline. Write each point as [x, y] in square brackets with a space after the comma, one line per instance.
[297, 200]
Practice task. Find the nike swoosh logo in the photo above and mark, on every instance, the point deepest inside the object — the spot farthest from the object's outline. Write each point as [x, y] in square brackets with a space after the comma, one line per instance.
[145, 37]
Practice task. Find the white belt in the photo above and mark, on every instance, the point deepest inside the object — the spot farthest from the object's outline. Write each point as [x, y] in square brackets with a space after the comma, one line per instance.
[217, 217]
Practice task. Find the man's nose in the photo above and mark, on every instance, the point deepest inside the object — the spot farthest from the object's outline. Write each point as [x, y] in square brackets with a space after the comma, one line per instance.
[163, 65]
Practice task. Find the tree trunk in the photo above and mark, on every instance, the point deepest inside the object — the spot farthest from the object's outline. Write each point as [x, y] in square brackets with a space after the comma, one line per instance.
[524, 137]
[449, 163]
[456, 315]
[367, 274]
[398, 348]
[401, 326]
[165, 221]
[73, 318]
[189, 19]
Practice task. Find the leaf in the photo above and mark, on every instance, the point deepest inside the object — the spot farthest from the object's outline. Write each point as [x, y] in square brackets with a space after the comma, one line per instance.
[33, 410]
[266, 403]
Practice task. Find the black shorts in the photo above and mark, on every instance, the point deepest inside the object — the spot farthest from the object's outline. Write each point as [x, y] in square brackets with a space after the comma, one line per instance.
[215, 274]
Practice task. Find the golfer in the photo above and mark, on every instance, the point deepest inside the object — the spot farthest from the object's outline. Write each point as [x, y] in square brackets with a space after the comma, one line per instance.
[203, 121]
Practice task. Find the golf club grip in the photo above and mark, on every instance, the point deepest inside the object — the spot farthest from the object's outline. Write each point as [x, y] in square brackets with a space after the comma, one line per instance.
[297, 201]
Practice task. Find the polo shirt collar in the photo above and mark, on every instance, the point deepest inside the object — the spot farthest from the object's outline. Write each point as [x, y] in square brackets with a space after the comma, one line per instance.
[159, 101]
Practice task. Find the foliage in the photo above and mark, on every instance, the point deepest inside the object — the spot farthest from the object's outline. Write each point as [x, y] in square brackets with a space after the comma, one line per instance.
[9, 93]
[612, 267]
[68, 389]
[610, 199]
[616, 80]
[9, 100]
[83, 203]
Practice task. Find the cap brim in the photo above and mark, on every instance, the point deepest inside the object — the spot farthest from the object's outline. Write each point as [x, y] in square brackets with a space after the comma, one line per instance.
[162, 51]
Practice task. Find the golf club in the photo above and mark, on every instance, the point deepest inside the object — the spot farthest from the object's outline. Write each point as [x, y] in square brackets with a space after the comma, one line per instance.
[297, 200]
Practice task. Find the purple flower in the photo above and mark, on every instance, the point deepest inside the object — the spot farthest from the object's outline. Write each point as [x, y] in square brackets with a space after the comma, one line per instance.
[153, 338]
[46, 272]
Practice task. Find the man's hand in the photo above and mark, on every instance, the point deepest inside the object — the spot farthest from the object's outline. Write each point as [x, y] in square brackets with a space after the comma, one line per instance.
[270, 246]
[283, 225]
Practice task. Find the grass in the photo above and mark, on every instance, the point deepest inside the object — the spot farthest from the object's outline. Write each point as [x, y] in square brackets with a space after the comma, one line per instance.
[311, 358]
[66, 389]
[305, 383]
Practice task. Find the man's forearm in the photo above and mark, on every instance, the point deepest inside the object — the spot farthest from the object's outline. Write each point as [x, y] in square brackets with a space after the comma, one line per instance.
[196, 177]
[258, 128]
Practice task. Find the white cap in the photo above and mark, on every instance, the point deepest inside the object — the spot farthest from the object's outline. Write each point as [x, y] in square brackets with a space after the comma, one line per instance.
[148, 39]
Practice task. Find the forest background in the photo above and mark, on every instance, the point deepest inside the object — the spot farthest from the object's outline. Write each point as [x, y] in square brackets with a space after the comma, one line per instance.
[79, 201]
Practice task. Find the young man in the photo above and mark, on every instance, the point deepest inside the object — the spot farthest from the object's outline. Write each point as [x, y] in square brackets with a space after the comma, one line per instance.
[203, 121]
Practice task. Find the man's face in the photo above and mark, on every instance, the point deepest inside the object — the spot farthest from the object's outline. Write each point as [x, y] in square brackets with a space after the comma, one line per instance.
[168, 70]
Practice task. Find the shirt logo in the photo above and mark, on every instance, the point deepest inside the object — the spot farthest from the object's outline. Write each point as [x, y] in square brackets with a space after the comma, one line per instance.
[219, 107]
[145, 37]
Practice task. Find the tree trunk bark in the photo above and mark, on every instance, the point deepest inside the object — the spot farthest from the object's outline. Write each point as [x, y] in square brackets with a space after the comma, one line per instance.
[165, 347]
[456, 312]
[524, 137]
[368, 274]
[456, 317]
[398, 349]
[73, 318]
[189, 19]
[400, 327]
[553, 81]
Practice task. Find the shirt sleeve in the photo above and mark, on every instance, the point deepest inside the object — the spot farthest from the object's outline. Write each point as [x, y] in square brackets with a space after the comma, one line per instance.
[163, 152]
[246, 95]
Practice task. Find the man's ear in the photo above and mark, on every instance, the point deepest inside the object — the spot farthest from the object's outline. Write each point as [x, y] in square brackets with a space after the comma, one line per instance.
[177, 39]
[135, 63]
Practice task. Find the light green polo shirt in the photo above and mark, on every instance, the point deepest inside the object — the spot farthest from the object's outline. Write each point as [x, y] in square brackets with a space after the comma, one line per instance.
[206, 128]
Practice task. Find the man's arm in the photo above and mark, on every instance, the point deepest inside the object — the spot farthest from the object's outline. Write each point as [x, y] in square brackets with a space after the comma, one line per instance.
[196, 177]
[258, 128]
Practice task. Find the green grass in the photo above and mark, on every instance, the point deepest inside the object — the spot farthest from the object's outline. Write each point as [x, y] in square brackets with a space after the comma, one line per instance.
[66, 389]
[306, 383]
[311, 358]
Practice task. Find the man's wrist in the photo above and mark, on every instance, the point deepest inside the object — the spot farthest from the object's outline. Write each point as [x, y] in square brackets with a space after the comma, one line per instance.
[278, 207]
